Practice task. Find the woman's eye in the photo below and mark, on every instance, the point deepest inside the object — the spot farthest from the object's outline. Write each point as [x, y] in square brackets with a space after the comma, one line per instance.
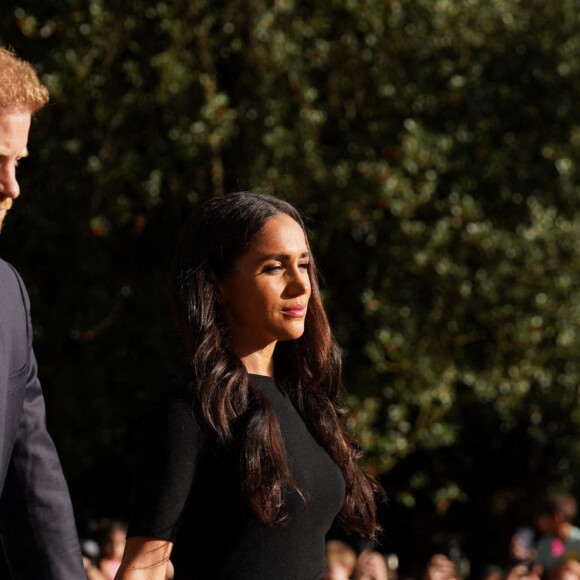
[305, 266]
[272, 269]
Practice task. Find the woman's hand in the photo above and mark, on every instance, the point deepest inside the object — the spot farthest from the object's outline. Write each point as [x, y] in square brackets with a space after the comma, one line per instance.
[146, 559]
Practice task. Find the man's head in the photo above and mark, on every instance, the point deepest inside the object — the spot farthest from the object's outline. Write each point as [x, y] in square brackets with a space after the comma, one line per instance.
[20, 88]
[556, 513]
[21, 95]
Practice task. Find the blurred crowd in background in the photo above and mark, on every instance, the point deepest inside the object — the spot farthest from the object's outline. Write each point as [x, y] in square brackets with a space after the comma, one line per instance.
[548, 551]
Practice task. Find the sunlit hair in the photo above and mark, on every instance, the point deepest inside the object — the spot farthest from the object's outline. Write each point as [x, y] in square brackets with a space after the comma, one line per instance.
[20, 86]
[225, 403]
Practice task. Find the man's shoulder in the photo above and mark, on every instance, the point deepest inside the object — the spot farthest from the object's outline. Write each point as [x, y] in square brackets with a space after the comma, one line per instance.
[573, 544]
[4, 265]
[12, 286]
[7, 270]
[575, 534]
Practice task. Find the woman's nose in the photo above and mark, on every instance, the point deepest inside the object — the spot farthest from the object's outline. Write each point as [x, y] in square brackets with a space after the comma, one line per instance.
[300, 283]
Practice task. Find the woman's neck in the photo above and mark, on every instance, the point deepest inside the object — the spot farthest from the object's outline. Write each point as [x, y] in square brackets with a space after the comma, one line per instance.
[259, 362]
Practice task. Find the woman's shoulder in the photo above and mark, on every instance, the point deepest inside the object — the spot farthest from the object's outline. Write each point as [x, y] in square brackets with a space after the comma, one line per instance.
[173, 400]
[177, 388]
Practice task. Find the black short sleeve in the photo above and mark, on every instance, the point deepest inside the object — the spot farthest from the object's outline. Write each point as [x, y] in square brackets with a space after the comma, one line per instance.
[168, 448]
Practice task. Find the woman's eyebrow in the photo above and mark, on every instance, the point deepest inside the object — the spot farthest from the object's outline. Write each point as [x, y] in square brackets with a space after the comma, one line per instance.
[281, 257]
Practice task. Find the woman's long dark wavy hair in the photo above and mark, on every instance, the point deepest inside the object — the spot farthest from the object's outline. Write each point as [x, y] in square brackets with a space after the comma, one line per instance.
[226, 404]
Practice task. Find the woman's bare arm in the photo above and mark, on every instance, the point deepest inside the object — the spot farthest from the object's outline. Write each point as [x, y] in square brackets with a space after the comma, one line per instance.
[146, 559]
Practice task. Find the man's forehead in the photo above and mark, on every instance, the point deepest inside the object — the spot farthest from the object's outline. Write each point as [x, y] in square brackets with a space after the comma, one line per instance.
[14, 127]
[16, 109]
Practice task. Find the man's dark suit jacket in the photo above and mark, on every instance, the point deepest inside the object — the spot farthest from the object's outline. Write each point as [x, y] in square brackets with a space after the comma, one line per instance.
[37, 526]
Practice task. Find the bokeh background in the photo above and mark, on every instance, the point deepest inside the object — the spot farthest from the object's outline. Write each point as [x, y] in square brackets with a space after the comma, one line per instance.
[433, 147]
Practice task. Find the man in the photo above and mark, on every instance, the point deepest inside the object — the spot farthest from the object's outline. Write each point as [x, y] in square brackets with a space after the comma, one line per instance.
[37, 526]
[559, 540]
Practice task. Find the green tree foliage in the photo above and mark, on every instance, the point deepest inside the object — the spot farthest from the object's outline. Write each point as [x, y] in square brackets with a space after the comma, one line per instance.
[432, 144]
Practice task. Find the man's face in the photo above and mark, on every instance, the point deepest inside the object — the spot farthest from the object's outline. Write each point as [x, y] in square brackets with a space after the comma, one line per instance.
[547, 523]
[14, 126]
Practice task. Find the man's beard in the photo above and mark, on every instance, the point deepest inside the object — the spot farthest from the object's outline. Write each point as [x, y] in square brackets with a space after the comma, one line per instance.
[6, 206]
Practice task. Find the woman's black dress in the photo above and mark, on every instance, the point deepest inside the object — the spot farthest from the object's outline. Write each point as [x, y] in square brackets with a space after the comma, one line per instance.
[187, 490]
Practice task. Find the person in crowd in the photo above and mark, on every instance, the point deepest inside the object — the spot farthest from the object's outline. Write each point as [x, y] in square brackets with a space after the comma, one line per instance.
[370, 565]
[559, 541]
[522, 572]
[492, 572]
[244, 461]
[440, 567]
[340, 560]
[91, 554]
[569, 570]
[37, 527]
[112, 546]
[342, 563]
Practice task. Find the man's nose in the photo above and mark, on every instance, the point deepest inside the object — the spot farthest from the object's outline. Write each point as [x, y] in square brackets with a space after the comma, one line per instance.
[8, 183]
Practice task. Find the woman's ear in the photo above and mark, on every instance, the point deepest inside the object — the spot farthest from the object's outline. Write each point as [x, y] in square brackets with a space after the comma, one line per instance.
[220, 290]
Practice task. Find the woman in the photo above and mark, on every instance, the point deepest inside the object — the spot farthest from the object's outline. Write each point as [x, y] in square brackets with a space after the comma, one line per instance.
[244, 462]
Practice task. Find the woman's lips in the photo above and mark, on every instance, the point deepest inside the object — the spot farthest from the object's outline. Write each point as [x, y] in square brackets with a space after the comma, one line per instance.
[296, 311]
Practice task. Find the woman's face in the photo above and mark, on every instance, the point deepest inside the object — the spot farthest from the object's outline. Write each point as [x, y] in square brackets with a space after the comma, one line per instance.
[266, 298]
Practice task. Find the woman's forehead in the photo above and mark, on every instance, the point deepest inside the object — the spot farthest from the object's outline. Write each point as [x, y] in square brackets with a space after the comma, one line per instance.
[281, 231]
